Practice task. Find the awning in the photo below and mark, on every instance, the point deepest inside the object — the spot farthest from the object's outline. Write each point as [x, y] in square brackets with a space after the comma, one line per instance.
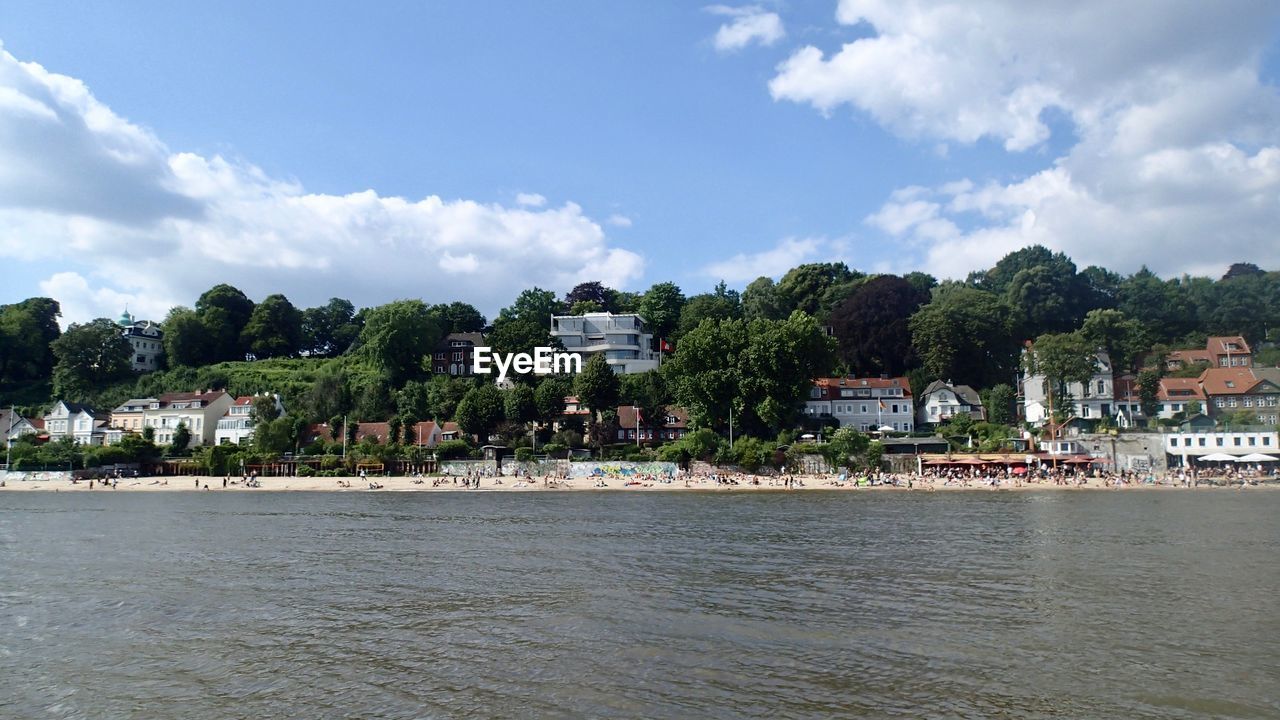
[1257, 457]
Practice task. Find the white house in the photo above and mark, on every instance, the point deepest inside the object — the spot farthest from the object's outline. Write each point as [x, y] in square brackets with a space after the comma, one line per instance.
[146, 338]
[864, 404]
[942, 401]
[236, 426]
[199, 411]
[623, 339]
[14, 426]
[1188, 445]
[1092, 400]
[75, 421]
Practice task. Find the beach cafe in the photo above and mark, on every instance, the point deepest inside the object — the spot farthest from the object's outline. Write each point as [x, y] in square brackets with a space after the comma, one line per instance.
[1015, 463]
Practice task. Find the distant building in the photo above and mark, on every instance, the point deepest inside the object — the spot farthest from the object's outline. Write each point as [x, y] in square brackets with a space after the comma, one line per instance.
[129, 415]
[1195, 444]
[1228, 352]
[673, 424]
[236, 425]
[864, 404]
[1176, 395]
[1228, 390]
[76, 421]
[14, 426]
[146, 338]
[942, 401]
[1090, 400]
[623, 339]
[199, 411]
[453, 355]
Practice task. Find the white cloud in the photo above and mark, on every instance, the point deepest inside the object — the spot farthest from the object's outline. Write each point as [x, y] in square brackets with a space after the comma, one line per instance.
[617, 220]
[749, 24]
[745, 267]
[1175, 161]
[81, 185]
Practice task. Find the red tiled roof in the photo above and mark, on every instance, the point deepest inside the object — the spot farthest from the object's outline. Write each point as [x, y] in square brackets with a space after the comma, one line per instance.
[1218, 345]
[244, 400]
[377, 430]
[1227, 380]
[627, 417]
[1179, 389]
[831, 387]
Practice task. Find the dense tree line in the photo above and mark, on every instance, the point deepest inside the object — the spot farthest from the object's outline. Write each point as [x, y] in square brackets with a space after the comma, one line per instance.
[751, 355]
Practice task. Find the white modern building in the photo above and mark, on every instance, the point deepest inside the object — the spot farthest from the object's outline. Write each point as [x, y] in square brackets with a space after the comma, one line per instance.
[864, 404]
[146, 338]
[623, 339]
[1190, 445]
[1092, 400]
[199, 411]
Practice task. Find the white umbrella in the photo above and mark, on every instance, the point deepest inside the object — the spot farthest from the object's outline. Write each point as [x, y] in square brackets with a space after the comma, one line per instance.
[1217, 457]
[1257, 457]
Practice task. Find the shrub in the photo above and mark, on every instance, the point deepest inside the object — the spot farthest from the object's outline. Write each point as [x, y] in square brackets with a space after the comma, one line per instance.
[306, 471]
[524, 454]
[452, 449]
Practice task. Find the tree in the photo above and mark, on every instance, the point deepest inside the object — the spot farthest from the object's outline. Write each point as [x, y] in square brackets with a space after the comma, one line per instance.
[398, 336]
[845, 444]
[328, 330]
[647, 391]
[186, 342]
[181, 439]
[761, 300]
[329, 394]
[88, 357]
[480, 411]
[225, 311]
[1044, 299]
[521, 405]
[1126, 341]
[1148, 393]
[592, 292]
[1158, 305]
[999, 404]
[723, 304]
[550, 396]
[803, 286]
[274, 329]
[597, 385]
[521, 335]
[871, 326]
[1060, 359]
[660, 307]
[458, 317]
[443, 395]
[27, 331]
[535, 305]
[965, 334]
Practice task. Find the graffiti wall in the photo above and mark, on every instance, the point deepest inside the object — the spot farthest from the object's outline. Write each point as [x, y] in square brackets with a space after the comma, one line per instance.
[34, 476]
[622, 469]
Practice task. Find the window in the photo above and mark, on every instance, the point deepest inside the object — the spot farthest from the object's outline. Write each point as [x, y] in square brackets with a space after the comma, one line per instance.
[1220, 402]
[1252, 441]
[1231, 402]
[1219, 441]
[457, 355]
[864, 409]
[1267, 440]
[1186, 442]
[1102, 387]
[1248, 402]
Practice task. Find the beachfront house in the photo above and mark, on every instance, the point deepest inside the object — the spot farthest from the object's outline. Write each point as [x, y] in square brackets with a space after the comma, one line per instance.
[942, 401]
[865, 404]
[1091, 400]
[199, 411]
[671, 424]
[1230, 390]
[236, 426]
[76, 421]
[128, 415]
[14, 426]
[1227, 352]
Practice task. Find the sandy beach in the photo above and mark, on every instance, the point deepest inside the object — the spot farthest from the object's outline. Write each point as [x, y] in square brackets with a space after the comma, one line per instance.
[745, 483]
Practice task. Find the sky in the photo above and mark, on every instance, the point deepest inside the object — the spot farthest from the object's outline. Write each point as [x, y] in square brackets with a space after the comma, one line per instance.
[469, 150]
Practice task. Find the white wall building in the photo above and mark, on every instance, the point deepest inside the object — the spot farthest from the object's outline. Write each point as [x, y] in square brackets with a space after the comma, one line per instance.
[236, 426]
[1092, 400]
[200, 412]
[942, 401]
[146, 338]
[75, 421]
[864, 404]
[14, 426]
[1196, 444]
[626, 343]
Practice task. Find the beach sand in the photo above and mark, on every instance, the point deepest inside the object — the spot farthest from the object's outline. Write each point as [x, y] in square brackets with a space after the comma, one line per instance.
[510, 484]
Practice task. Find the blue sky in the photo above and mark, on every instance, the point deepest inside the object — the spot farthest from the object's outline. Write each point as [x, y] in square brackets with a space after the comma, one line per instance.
[467, 150]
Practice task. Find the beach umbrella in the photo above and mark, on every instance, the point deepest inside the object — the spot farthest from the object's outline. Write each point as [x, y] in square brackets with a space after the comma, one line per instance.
[1217, 457]
[1257, 457]
[1020, 471]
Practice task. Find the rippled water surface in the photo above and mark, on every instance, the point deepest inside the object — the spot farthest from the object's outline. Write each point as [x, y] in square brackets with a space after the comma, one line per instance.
[1028, 605]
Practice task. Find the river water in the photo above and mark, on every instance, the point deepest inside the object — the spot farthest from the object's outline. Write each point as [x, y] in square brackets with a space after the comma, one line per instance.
[1087, 604]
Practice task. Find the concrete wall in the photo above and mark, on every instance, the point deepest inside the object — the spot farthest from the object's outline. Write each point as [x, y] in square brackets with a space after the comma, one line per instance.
[1133, 451]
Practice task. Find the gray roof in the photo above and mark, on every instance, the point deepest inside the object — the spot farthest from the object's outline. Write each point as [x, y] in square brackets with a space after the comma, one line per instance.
[964, 392]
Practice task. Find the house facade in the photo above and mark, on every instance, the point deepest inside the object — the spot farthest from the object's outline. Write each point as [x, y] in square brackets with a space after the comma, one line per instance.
[14, 426]
[672, 425]
[453, 355]
[147, 340]
[1229, 390]
[76, 421]
[623, 339]
[1176, 395]
[1219, 351]
[864, 404]
[199, 411]
[235, 427]
[1090, 400]
[942, 401]
[128, 416]
[1188, 445]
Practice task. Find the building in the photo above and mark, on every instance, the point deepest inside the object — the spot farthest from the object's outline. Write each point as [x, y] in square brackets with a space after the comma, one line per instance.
[14, 426]
[146, 338]
[1090, 400]
[236, 426]
[1176, 395]
[865, 404]
[76, 421]
[942, 401]
[199, 411]
[128, 416]
[1229, 390]
[1183, 446]
[1229, 351]
[623, 339]
[673, 425]
[453, 355]
[1128, 401]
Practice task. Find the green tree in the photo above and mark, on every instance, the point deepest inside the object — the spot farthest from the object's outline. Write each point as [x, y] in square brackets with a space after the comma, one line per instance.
[550, 396]
[1148, 392]
[1000, 404]
[803, 287]
[722, 304]
[521, 405]
[458, 317]
[535, 305]
[480, 411]
[1061, 358]
[27, 332]
[661, 306]
[186, 342]
[761, 300]
[965, 334]
[398, 336]
[329, 395]
[597, 385]
[328, 330]
[274, 329]
[1125, 341]
[225, 311]
[90, 356]
[181, 440]
[872, 326]
[846, 444]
